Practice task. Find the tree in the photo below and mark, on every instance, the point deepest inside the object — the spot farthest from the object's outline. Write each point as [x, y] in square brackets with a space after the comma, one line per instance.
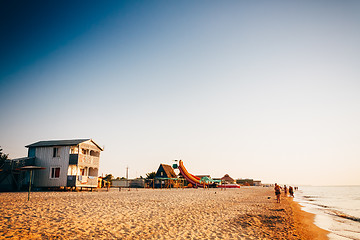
[3, 157]
[108, 177]
[150, 175]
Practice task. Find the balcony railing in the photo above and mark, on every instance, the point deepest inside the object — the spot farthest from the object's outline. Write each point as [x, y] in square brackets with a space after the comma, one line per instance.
[81, 181]
[74, 159]
[89, 159]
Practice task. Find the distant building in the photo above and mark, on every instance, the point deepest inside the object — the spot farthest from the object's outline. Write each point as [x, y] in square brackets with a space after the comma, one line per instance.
[227, 179]
[245, 182]
[137, 183]
[132, 183]
[257, 183]
[68, 163]
[165, 176]
[165, 171]
[248, 182]
[120, 183]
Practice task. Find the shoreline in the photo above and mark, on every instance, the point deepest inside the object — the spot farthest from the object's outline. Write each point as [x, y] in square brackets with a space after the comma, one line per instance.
[305, 222]
[245, 213]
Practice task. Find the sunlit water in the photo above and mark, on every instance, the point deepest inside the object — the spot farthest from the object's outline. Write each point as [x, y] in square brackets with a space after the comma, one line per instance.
[337, 209]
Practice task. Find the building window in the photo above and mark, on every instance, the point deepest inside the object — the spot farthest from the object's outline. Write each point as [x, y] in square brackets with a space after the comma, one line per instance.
[85, 151]
[93, 172]
[94, 153]
[83, 171]
[55, 172]
[56, 152]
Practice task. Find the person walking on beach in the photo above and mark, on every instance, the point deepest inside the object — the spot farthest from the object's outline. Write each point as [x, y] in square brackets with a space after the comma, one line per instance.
[107, 185]
[285, 190]
[291, 191]
[277, 192]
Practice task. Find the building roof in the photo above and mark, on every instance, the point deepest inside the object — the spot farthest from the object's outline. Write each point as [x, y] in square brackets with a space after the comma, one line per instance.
[169, 171]
[71, 142]
[226, 177]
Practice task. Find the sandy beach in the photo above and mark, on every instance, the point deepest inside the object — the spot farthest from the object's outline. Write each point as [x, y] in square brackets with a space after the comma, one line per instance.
[245, 213]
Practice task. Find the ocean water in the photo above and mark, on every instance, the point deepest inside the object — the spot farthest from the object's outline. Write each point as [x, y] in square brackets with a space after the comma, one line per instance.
[336, 209]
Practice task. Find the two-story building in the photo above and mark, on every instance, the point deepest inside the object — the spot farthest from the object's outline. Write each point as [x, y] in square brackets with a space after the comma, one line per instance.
[67, 163]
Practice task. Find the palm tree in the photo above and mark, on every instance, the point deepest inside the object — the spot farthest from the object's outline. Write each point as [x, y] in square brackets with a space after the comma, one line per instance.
[3, 157]
[150, 175]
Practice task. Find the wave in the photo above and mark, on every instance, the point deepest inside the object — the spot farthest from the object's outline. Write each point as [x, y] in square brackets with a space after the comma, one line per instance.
[310, 197]
[343, 215]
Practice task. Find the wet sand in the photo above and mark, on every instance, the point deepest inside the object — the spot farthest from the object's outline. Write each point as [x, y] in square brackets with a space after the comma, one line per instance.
[245, 213]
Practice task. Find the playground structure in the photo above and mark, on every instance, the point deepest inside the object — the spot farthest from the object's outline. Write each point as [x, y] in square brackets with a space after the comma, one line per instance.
[203, 182]
[163, 182]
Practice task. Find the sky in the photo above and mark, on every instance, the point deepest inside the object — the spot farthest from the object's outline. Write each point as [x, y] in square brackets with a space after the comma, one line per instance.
[268, 90]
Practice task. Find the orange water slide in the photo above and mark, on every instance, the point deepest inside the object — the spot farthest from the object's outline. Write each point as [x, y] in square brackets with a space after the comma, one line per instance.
[195, 181]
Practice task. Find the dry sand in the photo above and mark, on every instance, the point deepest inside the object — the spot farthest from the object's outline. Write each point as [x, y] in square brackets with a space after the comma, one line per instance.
[244, 213]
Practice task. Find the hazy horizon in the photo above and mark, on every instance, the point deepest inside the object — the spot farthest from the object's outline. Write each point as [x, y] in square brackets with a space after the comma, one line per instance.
[261, 90]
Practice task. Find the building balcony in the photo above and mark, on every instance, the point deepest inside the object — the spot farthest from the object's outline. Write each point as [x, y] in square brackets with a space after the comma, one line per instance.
[75, 159]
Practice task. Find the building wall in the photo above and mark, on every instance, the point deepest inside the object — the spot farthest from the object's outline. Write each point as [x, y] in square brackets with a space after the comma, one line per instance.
[120, 183]
[44, 158]
[249, 182]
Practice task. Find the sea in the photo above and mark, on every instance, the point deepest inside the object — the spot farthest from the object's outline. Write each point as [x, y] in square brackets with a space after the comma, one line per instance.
[336, 209]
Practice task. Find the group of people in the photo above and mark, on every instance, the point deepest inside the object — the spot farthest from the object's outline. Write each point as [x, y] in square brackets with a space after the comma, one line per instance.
[277, 189]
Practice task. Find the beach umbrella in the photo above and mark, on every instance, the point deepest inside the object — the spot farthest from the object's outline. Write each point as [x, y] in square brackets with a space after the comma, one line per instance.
[30, 168]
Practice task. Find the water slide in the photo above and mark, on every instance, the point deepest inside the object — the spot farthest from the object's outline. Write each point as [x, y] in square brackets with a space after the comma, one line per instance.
[195, 181]
[204, 182]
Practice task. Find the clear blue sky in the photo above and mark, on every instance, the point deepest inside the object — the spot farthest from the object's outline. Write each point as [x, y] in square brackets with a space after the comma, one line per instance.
[268, 90]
